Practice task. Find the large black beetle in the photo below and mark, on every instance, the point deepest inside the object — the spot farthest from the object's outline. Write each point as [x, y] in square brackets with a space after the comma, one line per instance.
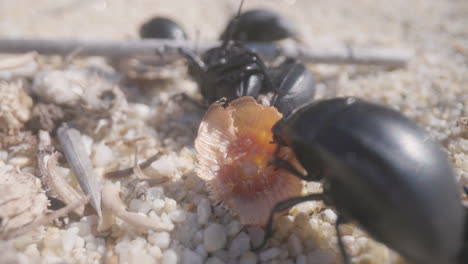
[232, 70]
[259, 25]
[380, 170]
[162, 28]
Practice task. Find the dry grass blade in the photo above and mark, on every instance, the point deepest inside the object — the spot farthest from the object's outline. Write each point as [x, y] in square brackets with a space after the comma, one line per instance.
[70, 140]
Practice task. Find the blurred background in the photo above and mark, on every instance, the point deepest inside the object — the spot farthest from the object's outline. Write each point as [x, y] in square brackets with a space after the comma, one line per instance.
[398, 23]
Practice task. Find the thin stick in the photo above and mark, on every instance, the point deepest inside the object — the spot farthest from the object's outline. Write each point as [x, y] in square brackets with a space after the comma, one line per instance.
[79, 162]
[170, 48]
[129, 171]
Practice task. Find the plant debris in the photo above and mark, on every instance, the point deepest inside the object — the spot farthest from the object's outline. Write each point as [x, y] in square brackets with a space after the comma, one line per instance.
[22, 200]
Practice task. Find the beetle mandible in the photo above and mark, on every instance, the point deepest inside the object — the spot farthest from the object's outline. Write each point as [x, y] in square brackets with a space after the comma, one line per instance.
[380, 170]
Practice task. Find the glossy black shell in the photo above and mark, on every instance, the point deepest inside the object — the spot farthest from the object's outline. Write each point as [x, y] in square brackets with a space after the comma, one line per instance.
[383, 172]
[260, 25]
[293, 84]
[162, 28]
[227, 75]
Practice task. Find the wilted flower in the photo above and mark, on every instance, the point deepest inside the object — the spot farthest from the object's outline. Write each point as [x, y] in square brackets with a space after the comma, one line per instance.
[234, 146]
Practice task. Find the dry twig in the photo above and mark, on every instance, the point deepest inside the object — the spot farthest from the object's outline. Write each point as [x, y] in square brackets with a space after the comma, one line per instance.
[119, 49]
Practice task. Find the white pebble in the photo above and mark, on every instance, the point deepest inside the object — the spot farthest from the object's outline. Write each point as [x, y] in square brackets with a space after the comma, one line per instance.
[139, 206]
[329, 216]
[248, 258]
[155, 193]
[160, 239]
[321, 256]
[165, 165]
[234, 227]
[295, 245]
[203, 211]
[169, 257]
[158, 204]
[177, 216]
[301, 259]
[141, 111]
[214, 237]
[256, 235]
[214, 260]
[170, 205]
[270, 254]
[155, 252]
[239, 245]
[200, 250]
[190, 257]
[102, 155]
[69, 238]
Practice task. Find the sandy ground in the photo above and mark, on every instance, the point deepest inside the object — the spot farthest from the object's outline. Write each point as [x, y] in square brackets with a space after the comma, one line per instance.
[432, 89]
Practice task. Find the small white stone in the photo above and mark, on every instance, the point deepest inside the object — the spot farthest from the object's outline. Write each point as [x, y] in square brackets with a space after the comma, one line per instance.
[256, 235]
[321, 256]
[102, 155]
[301, 259]
[190, 257]
[329, 216]
[234, 227]
[170, 205]
[169, 257]
[248, 258]
[177, 216]
[239, 245]
[155, 193]
[140, 111]
[139, 206]
[203, 211]
[69, 238]
[269, 254]
[160, 239]
[19, 161]
[158, 205]
[214, 260]
[155, 252]
[214, 237]
[165, 165]
[200, 250]
[295, 245]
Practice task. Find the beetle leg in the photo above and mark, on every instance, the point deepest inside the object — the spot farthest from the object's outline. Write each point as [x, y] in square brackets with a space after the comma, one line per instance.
[194, 60]
[283, 164]
[344, 254]
[281, 206]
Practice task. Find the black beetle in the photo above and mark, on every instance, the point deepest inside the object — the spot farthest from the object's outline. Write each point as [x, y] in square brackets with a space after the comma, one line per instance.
[162, 28]
[229, 71]
[232, 71]
[259, 25]
[293, 86]
[380, 170]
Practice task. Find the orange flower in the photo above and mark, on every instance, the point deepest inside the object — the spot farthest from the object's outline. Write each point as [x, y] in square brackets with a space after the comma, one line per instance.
[234, 149]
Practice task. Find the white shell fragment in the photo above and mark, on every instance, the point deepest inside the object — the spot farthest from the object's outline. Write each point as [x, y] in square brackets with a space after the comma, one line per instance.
[15, 105]
[22, 200]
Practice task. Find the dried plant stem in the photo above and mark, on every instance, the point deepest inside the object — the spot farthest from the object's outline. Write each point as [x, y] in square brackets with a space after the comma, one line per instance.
[115, 49]
[79, 162]
[129, 171]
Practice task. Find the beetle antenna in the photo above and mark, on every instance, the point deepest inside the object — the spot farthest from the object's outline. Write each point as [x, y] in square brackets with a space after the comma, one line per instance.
[232, 26]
